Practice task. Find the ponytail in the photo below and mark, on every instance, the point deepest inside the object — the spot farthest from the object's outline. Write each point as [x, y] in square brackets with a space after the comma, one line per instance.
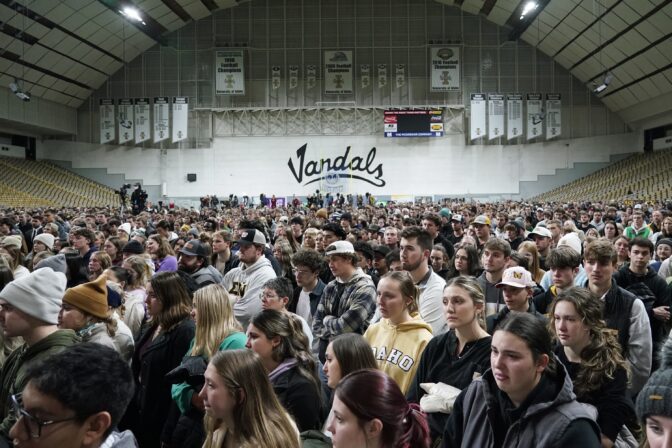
[414, 426]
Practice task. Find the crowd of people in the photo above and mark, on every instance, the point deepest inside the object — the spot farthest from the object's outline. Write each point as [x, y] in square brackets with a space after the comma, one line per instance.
[457, 324]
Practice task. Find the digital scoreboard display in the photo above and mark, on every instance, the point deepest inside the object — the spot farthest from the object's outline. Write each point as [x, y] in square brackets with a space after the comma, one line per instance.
[414, 123]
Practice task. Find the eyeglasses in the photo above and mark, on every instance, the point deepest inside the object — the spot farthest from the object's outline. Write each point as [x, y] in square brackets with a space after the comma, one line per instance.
[33, 425]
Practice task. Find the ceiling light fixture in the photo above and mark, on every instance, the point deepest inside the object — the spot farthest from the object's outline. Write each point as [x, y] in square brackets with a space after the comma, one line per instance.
[605, 83]
[16, 89]
[132, 14]
[528, 8]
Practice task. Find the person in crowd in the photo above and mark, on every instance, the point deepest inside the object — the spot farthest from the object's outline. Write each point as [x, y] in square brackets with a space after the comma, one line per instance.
[663, 252]
[283, 348]
[517, 288]
[283, 252]
[275, 296]
[194, 260]
[466, 262]
[526, 396]
[222, 258]
[29, 309]
[654, 403]
[345, 354]
[132, 277]
[309, 238]
[439, 260]
[11, 247]
[306, 296]
[83, 241]
[432, 224]
[638, 228]
[401, 336]
[85, 310]
[622, 245]
[542, 238]
[44, 242]
[379, 265]
[158, 351]
[623, 311]
[162, 254]
[370, 411]
[564, 265]
[592, 356]
[610, 231]
[456, 357]
[216, 330]
[78, 417]
[665, 230]
[457, 226]
[496, 255]
[114, 248]
[391, 237]
[241, 408]
[515, 234]
[98, 262]
[528, 249]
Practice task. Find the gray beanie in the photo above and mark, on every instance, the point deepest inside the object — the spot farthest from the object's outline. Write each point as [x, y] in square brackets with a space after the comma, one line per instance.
[656, 396]
[38, 294]
[57, 263]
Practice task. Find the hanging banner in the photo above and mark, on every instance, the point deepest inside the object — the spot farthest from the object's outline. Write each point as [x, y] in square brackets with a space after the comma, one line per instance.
[230, 72]
[311, 76]
[553, 115]
[337, 72]
[477, 116]
[107, 120]
[126, 132]
[495, 116]
[275, 77]
[365, 75]
[445, 69]
[382, 76]
[161, 117]
[180, 117]
[141, 106]
[293, 77]
[514, 116]
[400, 75]
[535, 119]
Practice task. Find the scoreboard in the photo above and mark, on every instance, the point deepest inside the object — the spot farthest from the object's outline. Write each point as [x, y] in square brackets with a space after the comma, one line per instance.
[414, 123]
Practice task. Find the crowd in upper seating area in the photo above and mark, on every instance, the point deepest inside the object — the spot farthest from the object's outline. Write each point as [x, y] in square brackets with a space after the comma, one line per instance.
[328, 324]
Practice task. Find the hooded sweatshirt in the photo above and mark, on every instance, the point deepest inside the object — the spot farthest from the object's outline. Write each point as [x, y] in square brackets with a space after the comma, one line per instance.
[245, 283]
[398, 348]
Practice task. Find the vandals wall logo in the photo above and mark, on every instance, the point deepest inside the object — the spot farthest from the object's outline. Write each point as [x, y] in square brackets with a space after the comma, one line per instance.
[332, 173]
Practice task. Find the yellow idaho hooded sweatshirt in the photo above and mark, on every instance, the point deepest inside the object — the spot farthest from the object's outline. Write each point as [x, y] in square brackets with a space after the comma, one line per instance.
[397, 348]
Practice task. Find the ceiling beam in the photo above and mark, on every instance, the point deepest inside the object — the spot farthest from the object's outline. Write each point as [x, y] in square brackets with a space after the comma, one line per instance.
[151, 28]
[178, 10]
[638, 80]
[25, 81]
[518, 25]
[210, 4]
[486, 9]
[17, 59]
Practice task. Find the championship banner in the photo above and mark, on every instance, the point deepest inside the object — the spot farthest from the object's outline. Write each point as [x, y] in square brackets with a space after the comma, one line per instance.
[445, 69]
[514, 116]
[382, 75]
[142, 131]
[311, 76]
[337, 72]
[107, 120]
[365, 70]
[495, 116]
[275, 77]
[535, 119]
[400, 75]
[553, 115]
[126, 127]
[161, 117]
[477, 121]
[180, 117]
[230, 72]
[293, 77]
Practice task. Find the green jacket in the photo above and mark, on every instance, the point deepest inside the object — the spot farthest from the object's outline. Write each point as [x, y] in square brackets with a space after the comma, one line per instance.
[13, 376]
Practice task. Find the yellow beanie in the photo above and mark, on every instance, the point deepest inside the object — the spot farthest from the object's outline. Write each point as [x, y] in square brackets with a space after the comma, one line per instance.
[90, 298]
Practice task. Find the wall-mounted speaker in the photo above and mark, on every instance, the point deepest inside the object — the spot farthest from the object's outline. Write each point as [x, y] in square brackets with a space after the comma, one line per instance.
[191, 177]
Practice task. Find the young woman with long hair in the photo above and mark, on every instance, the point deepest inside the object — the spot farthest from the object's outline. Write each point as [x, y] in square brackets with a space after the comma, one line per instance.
[439, 260]
[98, 262]
[283, 252]
[241, 409]
[279, 341]
[592, 356]
[370, 411]
[622, 245]
[610, 231]
[113, 247]
[162, 254]
[137, 276]
[465, 262]
[400, 330]
[462, 353]
[525, 398]
[529, 250]
[347, 353]
[216, 330]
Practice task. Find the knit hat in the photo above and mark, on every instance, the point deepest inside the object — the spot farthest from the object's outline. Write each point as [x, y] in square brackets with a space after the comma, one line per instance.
[445, 212]
[125, 227]
[656, 396]
[12, 241]
[133, 247]
[89, 297]
[38, 294]
[667, 241]
[45, 238]
[572, 241]
[57, 263]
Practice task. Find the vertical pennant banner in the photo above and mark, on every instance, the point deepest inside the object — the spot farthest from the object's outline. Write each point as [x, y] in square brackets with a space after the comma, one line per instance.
[337, 72]
[107, 120]
[514, 116]
[477, 121]
[400, 75]
[365, 75]
[275, 77]
[293, 77]
[535, 119]
[382, 76]
[161, 118]
[311, 76]
[445, 69]
[126, 120]
[495, 116]
[230, 72]
[142, 132]
[180, 118]
[553, 115]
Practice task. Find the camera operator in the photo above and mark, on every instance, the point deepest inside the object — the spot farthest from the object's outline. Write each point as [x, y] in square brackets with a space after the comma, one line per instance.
[138, 199]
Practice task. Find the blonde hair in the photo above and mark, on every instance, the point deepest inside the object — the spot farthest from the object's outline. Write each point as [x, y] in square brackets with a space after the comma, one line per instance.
[139, 271]
[406, 287]
[535, 270]
[258, 417]
[471, 286]
[215, 321]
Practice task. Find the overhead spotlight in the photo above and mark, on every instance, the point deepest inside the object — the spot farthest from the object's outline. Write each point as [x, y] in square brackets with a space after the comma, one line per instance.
[132, 13]
[605, 83]
[16, 89]
[528, 8]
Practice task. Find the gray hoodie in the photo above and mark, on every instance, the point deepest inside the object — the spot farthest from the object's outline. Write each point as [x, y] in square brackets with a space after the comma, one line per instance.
[244, 285]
